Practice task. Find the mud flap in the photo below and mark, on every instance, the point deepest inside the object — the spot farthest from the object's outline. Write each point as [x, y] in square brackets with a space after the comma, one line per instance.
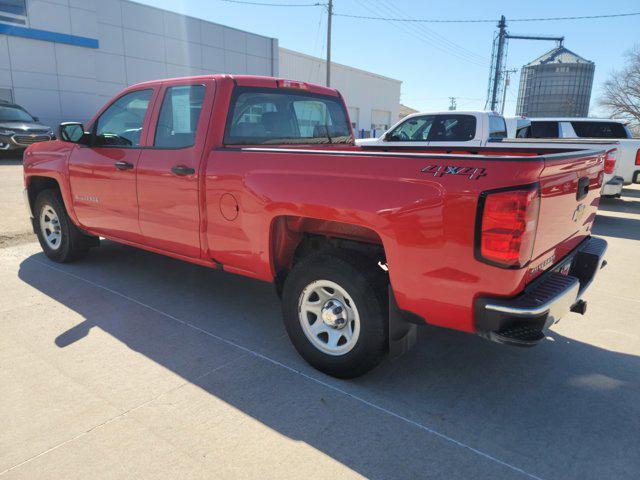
[402, 333]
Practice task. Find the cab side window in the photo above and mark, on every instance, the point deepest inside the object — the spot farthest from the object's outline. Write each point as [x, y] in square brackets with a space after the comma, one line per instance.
[120, 125]
[179, 116]
[414, 129]
[545, 129]
[453, 128]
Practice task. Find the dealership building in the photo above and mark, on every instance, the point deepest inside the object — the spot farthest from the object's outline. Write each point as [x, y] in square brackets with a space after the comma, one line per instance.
[63, 59]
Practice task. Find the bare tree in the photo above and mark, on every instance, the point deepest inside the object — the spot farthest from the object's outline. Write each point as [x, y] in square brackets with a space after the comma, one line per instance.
[621, 93]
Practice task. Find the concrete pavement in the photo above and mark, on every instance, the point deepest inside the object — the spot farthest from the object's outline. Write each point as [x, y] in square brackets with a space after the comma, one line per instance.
[132, 365]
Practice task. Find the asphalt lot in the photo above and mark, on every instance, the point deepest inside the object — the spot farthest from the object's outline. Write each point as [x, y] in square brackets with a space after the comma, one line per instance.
[132, 365]
[13, 223]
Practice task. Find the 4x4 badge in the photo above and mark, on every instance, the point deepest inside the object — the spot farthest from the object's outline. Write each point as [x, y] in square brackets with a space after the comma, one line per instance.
[472, 173]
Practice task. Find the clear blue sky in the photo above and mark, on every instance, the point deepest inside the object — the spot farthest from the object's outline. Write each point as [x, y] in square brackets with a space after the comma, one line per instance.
[424, 56]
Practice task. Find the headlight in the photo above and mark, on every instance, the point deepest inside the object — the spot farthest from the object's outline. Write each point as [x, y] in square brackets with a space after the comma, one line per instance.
[6, 132]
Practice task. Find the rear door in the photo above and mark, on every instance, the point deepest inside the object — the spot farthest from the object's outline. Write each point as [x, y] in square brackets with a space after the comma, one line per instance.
[169, 169]
[103, 176]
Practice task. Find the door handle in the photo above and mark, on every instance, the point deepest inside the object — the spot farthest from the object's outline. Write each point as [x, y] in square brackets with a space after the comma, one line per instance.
[123, 165]
[583, 188]
[183, 170]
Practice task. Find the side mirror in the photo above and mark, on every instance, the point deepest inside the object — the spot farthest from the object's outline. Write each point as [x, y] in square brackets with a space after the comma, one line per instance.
[72, 132]
[36, 119]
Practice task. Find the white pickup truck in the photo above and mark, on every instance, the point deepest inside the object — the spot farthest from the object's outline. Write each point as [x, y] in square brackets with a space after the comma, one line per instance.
[628, 161]
[451, 130]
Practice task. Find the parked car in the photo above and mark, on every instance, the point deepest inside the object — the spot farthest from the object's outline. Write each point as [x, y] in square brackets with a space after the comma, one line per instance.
[468, 128]
[628, 161]
[19, 129]
[260, 177]
[454, 130]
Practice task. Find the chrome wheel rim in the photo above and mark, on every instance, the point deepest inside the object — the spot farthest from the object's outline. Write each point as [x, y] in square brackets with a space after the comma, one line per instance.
[50, 227]
[329, 317]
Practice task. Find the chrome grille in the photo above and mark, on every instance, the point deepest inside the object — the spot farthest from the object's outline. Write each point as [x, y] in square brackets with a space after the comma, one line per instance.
[29, 139]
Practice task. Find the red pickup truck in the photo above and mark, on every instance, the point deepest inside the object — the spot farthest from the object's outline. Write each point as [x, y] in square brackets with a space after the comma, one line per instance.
[260, 177]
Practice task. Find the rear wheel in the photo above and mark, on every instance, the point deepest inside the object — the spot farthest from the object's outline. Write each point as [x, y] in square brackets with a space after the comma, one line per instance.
[59, 238]
[335, 313]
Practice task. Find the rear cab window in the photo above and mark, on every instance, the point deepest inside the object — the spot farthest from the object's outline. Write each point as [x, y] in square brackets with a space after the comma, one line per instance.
[263, 116]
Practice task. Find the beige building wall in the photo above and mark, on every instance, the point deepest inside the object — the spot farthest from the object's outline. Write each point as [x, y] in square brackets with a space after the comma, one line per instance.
[373, 100]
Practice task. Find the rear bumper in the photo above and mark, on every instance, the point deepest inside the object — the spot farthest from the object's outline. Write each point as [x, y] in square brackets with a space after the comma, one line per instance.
[613, 187]
[522, 320]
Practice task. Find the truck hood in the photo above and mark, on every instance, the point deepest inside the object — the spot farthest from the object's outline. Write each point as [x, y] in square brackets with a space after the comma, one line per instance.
[25, 127]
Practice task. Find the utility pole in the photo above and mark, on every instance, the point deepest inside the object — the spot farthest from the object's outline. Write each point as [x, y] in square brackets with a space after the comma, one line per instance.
[329, 15]
[506, 85]
[453, 105]
[498, 59]
[502, 36]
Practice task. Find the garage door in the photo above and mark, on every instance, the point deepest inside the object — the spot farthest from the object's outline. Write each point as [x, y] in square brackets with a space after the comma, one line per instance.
[380, 120]
[354, 116]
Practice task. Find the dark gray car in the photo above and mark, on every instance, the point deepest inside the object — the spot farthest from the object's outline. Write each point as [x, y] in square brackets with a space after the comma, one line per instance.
[19, 129]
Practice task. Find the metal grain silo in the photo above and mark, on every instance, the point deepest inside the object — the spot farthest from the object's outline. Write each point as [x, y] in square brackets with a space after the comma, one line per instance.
[556, 84]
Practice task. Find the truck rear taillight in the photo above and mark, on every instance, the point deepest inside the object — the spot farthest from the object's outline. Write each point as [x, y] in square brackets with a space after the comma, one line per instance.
[638, 157]
[506, 226]
[610, 160]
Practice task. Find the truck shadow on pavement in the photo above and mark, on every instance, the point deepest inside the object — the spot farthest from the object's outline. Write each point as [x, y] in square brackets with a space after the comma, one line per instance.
[564, 409]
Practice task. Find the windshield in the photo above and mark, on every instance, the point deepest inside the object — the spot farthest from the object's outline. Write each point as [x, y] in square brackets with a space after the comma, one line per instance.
[272, 116]
[14, 114]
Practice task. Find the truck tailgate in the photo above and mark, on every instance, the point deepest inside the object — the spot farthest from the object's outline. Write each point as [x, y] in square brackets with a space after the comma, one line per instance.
[570, 194]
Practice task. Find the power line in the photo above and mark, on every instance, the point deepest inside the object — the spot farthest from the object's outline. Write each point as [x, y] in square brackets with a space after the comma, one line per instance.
[267, 4]
[444, 41]
[484, 20]
[419, 35]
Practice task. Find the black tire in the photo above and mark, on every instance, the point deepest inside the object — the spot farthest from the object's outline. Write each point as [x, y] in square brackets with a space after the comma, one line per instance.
[73, 243]
[364, 285]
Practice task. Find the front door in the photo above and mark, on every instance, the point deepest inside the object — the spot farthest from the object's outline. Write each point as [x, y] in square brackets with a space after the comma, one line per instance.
[103, 176]
[169, 170]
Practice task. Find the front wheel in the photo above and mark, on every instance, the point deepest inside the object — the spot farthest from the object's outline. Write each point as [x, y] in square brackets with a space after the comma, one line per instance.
[335, 315]
[59, 238]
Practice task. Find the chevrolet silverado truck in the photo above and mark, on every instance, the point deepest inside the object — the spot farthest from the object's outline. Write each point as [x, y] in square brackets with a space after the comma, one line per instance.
[260, 177]
[464, 130]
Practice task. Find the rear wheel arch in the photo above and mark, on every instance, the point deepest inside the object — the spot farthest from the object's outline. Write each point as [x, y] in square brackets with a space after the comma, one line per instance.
[293, 238]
